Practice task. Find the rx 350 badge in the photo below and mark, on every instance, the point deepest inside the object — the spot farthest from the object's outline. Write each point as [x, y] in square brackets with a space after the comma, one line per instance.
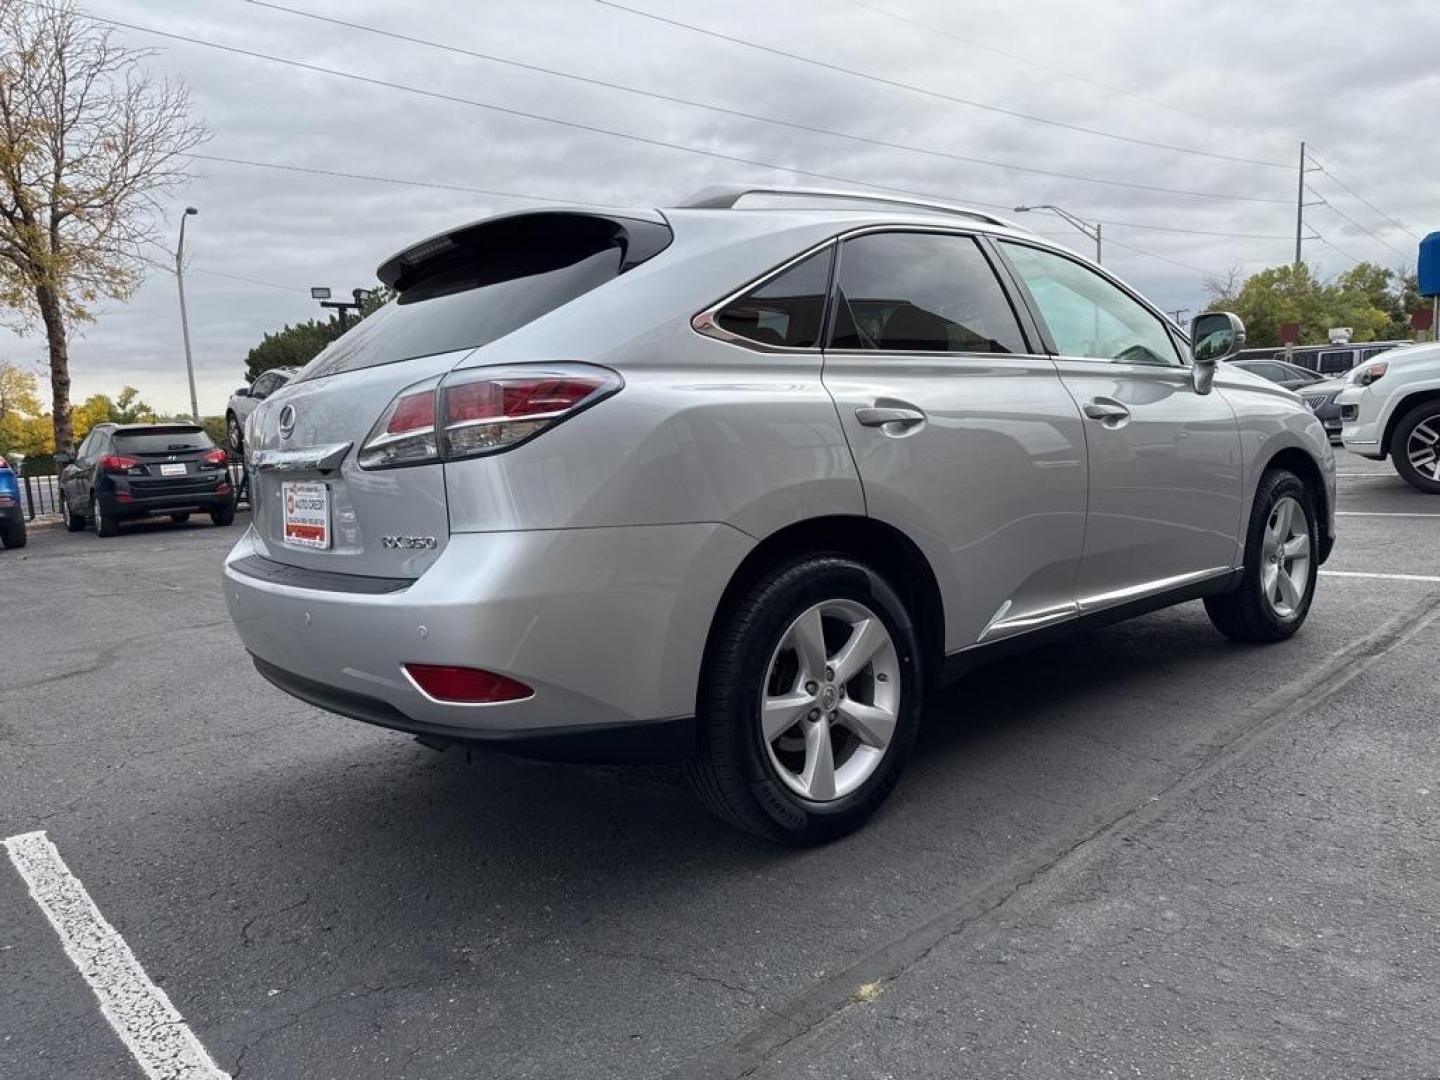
[409, 543]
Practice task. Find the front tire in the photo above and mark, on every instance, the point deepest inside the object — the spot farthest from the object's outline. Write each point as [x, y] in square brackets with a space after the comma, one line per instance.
[1282, 547]
[235, 434]
[809, 701]
[1415, 447]
[74, 522]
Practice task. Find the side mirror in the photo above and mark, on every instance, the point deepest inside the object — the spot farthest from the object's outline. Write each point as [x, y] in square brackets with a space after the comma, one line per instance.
[63, 459]
[244, 391]
[1214, 336]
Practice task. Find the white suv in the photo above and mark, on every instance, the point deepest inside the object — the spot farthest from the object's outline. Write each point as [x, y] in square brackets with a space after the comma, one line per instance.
[1392, 406]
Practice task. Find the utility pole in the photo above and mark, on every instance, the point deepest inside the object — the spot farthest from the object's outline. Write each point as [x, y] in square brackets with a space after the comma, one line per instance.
[184, 318]
[1300, 209]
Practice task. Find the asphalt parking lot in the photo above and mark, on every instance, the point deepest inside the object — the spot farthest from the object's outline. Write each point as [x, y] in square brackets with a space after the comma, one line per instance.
[1148, 852]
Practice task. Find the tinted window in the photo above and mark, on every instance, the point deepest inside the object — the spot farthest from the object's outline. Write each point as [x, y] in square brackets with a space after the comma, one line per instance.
[1336, 361]
[161, 440]
[493, 280]
[789, 309]
[928, 292]
[1087, 315]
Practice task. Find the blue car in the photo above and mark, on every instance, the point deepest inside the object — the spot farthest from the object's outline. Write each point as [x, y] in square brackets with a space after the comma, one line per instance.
[12, 521]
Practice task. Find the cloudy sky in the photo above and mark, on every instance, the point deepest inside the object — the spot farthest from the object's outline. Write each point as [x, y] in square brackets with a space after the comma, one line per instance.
[1150, 82]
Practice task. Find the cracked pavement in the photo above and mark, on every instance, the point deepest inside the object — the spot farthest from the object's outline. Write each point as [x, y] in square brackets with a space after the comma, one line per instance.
[1146, 852]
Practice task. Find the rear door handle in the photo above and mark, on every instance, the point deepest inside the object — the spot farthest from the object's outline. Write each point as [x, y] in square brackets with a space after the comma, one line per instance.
[1104, 408]
[880, 415]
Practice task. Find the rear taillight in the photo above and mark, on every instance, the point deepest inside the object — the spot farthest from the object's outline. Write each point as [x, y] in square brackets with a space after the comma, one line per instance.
[405, 432]
[214, 457]
[465, 686]
[4, 464]
[119, 464]
[481, 411]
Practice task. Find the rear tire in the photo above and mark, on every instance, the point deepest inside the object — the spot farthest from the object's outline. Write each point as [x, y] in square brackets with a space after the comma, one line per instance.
[105, 526]
[224, 515]
[12, 534]
[1415, 447]
[757, 675]
[1277, 586]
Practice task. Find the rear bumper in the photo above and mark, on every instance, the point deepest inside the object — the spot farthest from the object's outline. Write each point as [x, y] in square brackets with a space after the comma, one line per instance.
[607, 625]
[135, 506]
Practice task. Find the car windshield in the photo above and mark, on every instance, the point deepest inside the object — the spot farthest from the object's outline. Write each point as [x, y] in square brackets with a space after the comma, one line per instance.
[161, 441]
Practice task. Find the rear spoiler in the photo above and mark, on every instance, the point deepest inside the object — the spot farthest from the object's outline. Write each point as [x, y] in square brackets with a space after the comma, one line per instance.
[548, 237]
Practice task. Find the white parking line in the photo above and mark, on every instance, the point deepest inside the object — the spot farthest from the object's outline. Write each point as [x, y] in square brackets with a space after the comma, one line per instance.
[1383, 577]
[1383, 513]
[138, 1010]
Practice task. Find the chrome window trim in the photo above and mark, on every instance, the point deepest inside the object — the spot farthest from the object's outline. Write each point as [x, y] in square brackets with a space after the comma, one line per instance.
[704, 322]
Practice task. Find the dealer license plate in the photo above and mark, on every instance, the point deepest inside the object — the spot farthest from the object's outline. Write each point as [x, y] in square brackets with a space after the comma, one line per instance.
[307, 513]
[172, 470]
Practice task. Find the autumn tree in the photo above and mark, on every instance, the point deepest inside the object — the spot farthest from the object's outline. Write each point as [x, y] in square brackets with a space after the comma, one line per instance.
[88, 143]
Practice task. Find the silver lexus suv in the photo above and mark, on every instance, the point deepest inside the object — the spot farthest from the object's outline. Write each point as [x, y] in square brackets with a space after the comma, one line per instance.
[737, 482]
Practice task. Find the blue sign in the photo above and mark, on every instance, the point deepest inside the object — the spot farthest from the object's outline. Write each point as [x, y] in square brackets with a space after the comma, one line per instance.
[1429, 265]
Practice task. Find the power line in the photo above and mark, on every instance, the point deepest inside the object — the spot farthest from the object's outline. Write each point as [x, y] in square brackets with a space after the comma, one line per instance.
[1153, 255]
[506, 110]
[1031, 117]
[532, 197]
[1374, 236]
[1338, 182]
[1334, 247]
[170, 269]
[1031, 62]
[396, 180]
[755, 117]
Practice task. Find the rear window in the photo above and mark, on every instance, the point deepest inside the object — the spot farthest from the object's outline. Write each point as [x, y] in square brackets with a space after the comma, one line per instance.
[493, 280]
[787, 310]
[1336, 361]
[161, 441]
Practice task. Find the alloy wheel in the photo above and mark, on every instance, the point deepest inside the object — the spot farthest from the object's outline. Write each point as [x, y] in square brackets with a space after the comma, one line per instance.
[1423, 447]
[831, 700]
[1285, 569]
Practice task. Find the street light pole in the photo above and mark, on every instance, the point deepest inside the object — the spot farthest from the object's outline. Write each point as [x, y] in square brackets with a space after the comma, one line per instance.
[1092, 231]
[184, 316]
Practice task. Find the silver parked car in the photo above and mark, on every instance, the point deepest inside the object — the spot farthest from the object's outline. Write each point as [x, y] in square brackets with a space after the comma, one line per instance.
[244, 400]
[737, 482]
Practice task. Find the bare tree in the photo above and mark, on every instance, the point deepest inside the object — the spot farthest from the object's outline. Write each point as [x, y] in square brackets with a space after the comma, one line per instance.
[1222, 289]
[88, 142]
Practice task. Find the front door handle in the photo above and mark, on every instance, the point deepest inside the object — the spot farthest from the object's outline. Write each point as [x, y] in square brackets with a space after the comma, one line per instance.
[880, 415]
[1106, 409]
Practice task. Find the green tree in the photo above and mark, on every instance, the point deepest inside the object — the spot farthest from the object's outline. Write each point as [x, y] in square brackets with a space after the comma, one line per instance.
[293, 346]
[1367, 298]
[296, 346]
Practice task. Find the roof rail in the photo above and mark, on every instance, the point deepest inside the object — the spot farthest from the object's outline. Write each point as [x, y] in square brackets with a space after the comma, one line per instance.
[724, 197]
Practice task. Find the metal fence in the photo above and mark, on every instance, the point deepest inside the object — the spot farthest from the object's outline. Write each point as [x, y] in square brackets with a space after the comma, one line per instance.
[41, 495]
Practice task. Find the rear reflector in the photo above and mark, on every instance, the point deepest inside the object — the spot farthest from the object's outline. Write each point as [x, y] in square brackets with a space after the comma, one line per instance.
[465, 686]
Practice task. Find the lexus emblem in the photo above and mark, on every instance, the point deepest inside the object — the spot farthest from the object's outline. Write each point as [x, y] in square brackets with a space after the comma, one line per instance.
[287, 421]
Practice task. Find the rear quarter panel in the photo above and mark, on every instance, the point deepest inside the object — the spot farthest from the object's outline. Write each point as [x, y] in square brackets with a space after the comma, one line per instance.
[703, 430]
